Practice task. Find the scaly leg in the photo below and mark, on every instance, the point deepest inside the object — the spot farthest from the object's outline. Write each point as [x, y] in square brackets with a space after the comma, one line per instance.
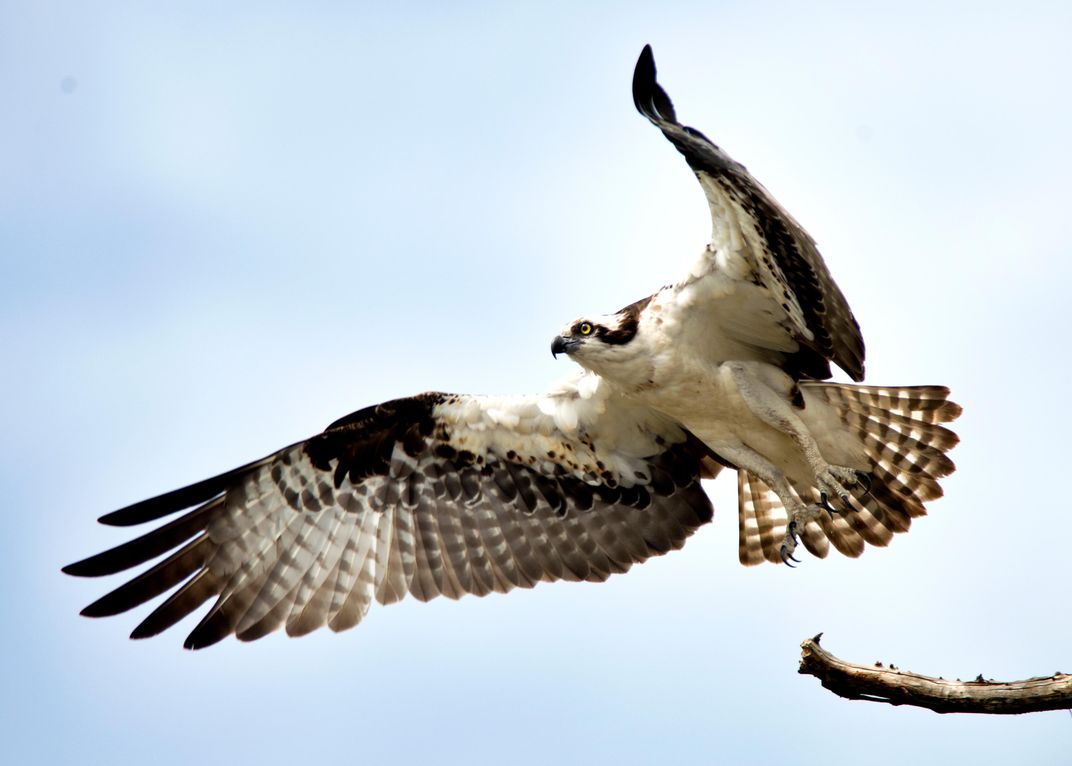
[799, 514]
[775, 410]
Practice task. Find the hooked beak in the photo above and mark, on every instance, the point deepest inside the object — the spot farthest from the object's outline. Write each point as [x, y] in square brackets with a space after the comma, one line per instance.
[562, 345]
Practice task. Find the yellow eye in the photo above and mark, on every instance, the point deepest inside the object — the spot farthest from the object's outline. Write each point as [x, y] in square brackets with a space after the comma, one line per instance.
[585, 328]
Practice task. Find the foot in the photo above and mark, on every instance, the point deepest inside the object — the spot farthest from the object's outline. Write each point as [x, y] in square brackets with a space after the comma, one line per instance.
[790, 545]
[832, 480]
[799, 516]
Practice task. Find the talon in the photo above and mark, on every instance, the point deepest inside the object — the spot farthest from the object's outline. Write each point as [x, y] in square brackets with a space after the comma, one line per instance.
[824, 502]
[786, 552]
[864, 479]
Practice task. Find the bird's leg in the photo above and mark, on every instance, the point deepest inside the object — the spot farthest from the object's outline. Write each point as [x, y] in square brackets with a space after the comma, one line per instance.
[798, 514]
[774, 409]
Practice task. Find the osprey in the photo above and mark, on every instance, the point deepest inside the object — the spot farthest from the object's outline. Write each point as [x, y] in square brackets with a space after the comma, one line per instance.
[444, 494]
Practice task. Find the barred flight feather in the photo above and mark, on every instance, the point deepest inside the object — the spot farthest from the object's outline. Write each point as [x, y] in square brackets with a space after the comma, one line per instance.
[424, 497]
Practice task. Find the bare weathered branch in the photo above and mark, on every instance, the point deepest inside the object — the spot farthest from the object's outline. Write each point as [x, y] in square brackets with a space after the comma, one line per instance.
[899, 687]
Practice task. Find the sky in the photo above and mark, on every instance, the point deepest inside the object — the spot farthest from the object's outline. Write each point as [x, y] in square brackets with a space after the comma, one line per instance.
[221, 228]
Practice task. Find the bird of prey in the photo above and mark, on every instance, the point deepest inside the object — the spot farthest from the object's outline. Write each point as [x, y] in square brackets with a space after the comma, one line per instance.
[446, 494]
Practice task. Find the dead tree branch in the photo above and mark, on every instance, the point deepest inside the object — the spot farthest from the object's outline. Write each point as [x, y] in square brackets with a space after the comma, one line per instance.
[878, 683]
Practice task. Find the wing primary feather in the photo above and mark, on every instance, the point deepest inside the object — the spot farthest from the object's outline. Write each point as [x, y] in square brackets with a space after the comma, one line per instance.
[199, 589]
[219, 623]
[148, 546]
[648, 96]
[155, 581]
[179, 499]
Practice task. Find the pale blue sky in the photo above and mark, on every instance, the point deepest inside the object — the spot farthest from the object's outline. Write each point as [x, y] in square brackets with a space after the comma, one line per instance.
[229, 227]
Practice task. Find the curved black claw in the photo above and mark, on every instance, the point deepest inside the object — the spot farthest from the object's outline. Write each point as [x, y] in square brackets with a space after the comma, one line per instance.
[824, 502]
[864, 479]
[783, 552]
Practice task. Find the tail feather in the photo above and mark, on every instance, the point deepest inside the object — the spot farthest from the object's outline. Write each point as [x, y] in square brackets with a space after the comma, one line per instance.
[922, 404]
[902, 437]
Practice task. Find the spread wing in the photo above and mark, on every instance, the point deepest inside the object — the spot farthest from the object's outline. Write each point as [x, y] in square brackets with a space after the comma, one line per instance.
[762, 269]
[431, 495]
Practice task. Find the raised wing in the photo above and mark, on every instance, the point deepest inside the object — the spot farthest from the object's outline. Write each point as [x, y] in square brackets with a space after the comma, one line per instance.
[431, 495]
[798, 309]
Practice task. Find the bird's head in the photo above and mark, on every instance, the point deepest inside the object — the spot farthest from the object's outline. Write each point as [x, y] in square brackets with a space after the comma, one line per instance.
[600, 343]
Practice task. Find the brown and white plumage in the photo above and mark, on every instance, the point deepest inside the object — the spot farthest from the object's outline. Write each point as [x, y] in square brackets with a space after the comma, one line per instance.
[427, 496]
[447, 495]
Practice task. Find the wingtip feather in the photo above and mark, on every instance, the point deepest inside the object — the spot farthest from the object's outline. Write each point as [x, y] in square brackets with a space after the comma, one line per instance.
[102, 607]
[76, 569]
[648, 96]
[180, 499]
[97, 565]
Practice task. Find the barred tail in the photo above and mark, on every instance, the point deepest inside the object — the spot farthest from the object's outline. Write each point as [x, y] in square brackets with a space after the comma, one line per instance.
[900, 432]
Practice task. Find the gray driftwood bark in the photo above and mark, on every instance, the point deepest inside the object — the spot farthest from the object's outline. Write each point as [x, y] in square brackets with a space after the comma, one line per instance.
[879, 683]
